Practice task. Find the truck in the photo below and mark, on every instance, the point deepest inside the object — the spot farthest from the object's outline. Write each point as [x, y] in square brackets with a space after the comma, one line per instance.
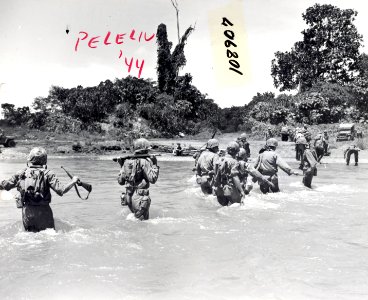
[7, 141]
[346, 132]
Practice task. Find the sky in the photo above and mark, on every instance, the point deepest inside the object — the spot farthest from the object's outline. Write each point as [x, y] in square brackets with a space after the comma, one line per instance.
[36, 52]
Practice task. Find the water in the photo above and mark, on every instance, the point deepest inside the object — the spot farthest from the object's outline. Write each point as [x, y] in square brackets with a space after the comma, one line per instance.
[297, 244]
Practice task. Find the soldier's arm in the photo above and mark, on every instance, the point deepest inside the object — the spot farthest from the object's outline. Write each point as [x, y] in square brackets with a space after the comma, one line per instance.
[59, 188]
[257, 162]
[11, 183]
[284, 166]
[150, 170]
[254, 173]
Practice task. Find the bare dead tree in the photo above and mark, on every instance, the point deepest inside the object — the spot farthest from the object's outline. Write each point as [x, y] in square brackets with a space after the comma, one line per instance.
[176, 6]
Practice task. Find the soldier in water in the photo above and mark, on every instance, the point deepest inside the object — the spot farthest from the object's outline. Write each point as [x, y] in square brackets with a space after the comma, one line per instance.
[137, 173]
[34, 184]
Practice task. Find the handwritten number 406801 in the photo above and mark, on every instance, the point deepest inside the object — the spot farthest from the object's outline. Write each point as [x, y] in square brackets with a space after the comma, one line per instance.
[229, 43]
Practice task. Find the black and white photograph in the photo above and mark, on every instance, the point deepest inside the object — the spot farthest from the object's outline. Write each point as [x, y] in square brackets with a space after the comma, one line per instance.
[182, 149]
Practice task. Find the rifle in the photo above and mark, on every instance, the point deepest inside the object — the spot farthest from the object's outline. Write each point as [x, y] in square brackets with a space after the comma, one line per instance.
[121, 159]
[85, 185]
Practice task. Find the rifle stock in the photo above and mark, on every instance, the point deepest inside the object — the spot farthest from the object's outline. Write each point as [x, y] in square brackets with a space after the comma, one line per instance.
[85, 185]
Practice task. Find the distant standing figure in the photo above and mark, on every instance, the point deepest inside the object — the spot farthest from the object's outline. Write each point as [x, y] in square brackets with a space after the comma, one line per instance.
[310, 161]
[318, 146]
[284, 133]
[269, 134]
[352, 149]
[242, 141]
[325, 139]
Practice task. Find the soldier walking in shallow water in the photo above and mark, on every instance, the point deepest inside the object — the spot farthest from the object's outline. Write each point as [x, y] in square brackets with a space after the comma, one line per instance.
[136, 174]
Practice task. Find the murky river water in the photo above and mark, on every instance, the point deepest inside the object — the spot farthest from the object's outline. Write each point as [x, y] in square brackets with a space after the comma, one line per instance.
[297, 244]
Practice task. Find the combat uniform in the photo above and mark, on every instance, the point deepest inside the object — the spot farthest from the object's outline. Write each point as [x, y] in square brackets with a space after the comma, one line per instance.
[310, 159]
[206, 170]
[228, 171]
[137, 174]
[352, 149]
[33, 184]
[267, 164]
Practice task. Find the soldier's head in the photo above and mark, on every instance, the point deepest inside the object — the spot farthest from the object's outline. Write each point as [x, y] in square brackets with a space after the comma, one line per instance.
[213, 145]
[233, 148]
[242, 154]
[272, 143]
[141, 146]
[37, 156]
[242, 137]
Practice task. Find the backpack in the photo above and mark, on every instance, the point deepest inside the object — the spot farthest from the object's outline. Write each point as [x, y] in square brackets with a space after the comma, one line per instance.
[132, 171]
[222, 176]
[34, 185]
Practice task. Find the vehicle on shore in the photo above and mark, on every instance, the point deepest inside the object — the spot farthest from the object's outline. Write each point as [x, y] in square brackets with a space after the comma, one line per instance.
[7, 141]
[346, 132]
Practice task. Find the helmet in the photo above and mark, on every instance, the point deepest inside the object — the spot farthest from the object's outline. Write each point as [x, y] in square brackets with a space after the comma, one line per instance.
[141, 145]
[243, 136]
[212, 143]
[38, 156]
[242, 154]
[233, 147]
[272, 142]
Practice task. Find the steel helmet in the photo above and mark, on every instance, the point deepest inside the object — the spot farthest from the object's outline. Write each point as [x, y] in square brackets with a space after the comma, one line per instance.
[212, 143]
[243, 136]
[242, 154]
[233, 147]
[272, 142]
[140, 145]
[38, 156]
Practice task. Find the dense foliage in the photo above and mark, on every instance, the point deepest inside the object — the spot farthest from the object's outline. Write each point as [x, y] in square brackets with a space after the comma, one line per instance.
[328, 52]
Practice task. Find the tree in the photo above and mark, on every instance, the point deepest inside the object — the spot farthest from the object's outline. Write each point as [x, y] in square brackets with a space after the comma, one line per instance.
[169, 64]
[328, 52]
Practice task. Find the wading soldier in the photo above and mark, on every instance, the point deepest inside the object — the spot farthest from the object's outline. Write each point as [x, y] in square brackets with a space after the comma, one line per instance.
[206, 166]
[267, 164]
[34, 184]
[136, 174]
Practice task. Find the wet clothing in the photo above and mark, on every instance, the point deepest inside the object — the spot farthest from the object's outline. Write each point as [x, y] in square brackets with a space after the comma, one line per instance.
[36, 215]
[228, 171]
[247, 175]
[300, 142]
[267, 164]
[310, 159]
[206, 170]
[137, 174]
[349, 151]
[245, 146]
[325, 139]
[319, 149]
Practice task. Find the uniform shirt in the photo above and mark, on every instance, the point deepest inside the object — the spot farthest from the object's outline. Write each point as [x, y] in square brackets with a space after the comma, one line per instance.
[207, 162]
[245, 169]
[143, 173]
[310, 158]
[268, 162]
[18, 181]
[300, 138]
[245, 146]
[351, 149]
